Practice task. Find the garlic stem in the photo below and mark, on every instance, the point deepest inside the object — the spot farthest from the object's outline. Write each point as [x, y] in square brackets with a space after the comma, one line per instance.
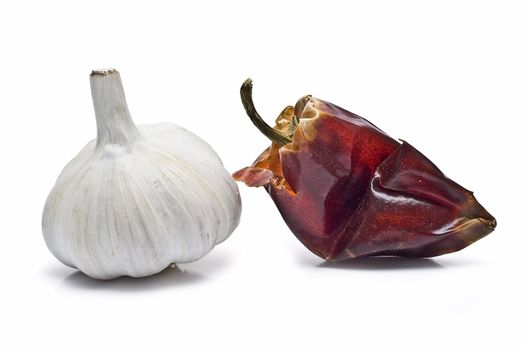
[113, 120]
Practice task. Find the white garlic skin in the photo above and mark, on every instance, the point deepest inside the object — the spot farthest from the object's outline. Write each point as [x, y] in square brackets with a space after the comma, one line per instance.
[137, 199]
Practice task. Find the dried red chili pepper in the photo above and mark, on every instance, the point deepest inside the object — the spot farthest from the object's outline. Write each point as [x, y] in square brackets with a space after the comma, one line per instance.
[346, 189]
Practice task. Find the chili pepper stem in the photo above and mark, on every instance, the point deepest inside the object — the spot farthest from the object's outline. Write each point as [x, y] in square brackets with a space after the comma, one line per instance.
[274, 135]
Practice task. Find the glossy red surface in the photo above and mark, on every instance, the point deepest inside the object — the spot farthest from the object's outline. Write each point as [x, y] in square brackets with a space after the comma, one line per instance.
[346, 189]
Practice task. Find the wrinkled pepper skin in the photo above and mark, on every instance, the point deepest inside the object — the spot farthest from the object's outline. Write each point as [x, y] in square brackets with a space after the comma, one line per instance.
[346, 189]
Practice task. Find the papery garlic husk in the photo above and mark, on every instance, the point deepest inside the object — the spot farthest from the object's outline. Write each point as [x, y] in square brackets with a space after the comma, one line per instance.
[138, 198]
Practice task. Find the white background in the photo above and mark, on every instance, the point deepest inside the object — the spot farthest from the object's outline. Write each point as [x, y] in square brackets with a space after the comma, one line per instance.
[447, 77]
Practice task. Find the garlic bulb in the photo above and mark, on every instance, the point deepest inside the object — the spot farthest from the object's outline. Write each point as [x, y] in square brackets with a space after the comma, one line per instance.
[137, 199]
